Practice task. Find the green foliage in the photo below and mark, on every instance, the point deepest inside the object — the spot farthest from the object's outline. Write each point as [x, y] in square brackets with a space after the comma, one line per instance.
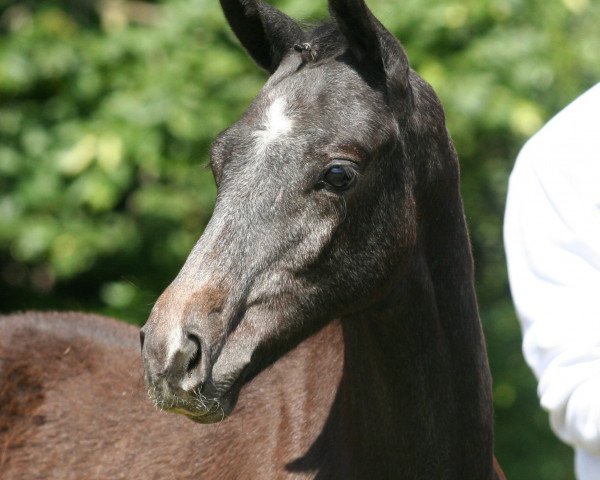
[108, 108]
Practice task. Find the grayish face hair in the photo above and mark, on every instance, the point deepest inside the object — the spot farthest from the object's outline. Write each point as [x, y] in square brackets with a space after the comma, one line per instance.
[312, 207]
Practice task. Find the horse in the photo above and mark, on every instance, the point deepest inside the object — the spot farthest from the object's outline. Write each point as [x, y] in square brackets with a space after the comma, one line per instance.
[325, 324]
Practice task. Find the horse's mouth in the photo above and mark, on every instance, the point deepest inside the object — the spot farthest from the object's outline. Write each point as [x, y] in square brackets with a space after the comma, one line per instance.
[209, 412]
[194, 405]
[206, 418]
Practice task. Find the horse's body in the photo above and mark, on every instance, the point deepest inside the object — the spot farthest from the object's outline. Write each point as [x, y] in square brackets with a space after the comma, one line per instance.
[338, 199]
[73, 405]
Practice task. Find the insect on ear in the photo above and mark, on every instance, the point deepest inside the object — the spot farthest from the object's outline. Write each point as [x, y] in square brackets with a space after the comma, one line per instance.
[307, 51]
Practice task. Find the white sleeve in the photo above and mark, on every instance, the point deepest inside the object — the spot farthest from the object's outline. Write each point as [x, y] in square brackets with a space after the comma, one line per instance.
[552, 240]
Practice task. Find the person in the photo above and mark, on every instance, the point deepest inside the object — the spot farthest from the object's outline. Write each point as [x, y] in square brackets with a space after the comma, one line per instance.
[552, 242]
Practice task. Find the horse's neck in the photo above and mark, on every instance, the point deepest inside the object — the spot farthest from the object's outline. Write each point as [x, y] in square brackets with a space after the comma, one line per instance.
[413, 396]
[409, 399]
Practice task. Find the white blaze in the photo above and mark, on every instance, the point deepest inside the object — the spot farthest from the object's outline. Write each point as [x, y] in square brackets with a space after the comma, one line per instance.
[275, 124]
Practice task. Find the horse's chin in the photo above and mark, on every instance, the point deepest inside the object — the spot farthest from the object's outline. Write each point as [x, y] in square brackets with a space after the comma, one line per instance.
[215, 414]
[203, 410]
[195, 406]
[207, 418]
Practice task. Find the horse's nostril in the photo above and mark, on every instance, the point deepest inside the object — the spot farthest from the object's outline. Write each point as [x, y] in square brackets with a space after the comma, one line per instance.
[142, 337]
[197, 356]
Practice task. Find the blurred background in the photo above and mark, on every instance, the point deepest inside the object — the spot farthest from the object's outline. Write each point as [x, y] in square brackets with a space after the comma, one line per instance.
[108, 108]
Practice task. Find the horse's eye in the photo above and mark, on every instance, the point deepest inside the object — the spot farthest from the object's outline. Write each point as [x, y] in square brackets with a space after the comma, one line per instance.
[339, 177]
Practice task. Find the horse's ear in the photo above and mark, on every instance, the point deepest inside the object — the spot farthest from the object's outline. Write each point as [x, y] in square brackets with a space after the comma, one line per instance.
[374, 45]
[265, 32]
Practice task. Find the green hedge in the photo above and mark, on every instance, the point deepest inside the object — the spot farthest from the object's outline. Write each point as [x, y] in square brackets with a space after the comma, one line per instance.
[107, 110]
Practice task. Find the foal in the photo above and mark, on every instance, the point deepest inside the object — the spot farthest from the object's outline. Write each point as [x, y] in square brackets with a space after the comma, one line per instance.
[333, 283]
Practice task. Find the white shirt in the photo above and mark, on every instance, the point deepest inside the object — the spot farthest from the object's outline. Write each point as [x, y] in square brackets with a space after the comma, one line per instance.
[552, 240]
